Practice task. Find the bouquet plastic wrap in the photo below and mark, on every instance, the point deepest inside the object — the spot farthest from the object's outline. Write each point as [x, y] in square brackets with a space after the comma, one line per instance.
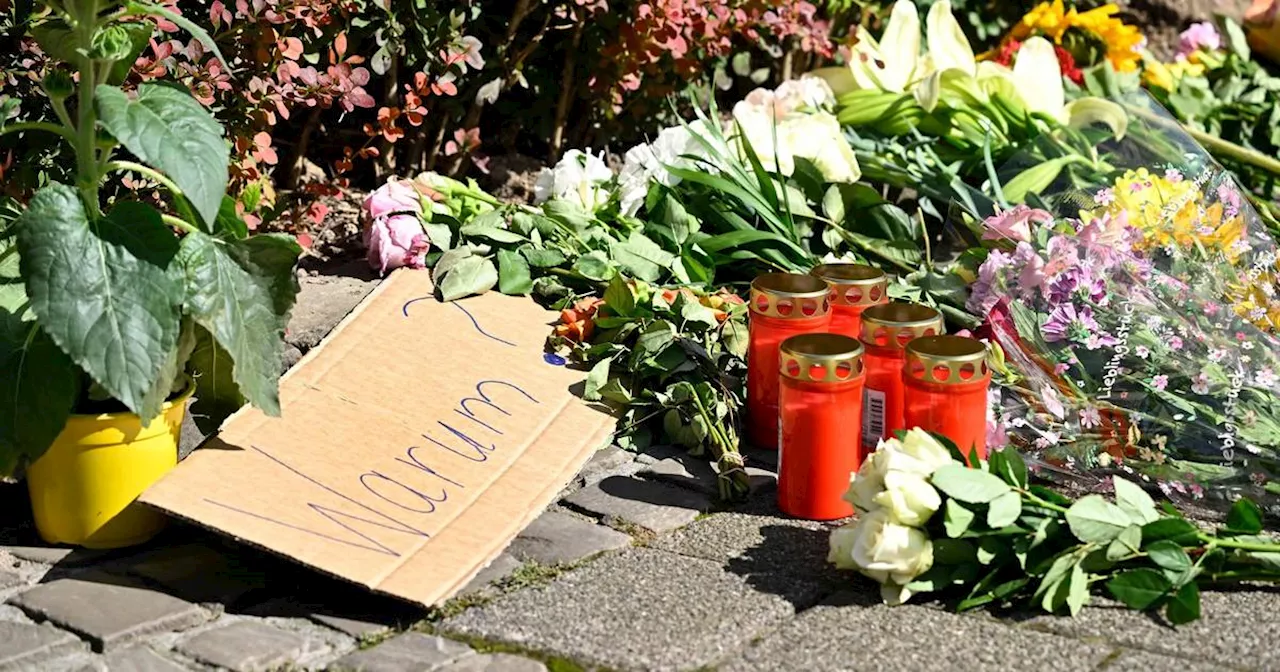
[1135, 310]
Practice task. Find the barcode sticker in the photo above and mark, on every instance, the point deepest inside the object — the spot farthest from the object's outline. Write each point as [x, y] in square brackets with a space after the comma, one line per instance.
[872, 417]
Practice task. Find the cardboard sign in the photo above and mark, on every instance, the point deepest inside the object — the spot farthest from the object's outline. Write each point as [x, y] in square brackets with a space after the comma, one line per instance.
[416, 441]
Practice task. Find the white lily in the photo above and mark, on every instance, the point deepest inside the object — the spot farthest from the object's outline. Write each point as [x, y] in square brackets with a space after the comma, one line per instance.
[1037, 76]
[893, 63]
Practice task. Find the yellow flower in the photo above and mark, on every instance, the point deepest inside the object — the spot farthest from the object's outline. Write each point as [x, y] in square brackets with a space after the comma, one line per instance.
[1122, 40]
[1170, 212]
[1255, 301]
[1053, 20]
[1167, 75]
[1048, 18]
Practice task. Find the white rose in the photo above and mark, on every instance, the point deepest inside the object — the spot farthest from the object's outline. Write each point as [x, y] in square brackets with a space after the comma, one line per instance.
[755, 121]
[579, 177]
[921, 445]
[888, 552]
[841, 553]
[908, 498]
[869, 482]
[809, 92]
[818, 137]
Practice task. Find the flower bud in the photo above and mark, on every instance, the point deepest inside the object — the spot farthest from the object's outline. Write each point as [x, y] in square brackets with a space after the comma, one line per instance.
[58, 84]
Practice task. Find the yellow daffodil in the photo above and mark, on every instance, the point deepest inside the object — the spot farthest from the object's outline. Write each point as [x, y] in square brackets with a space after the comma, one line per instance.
[1167, 75]
[1171, 212]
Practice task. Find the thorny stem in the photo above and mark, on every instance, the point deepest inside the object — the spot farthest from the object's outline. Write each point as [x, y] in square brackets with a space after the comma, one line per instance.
[1040, 502]
[1239, 545]
[733, 478]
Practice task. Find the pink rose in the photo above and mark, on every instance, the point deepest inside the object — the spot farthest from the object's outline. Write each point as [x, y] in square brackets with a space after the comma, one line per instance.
[396, 241]
[391, 198]
[1199, 36]
[1014, 224]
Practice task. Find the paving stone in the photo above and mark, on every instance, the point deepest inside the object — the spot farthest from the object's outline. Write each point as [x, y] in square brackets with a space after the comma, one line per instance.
[496, 662]
[355, 627]
[499, 569]
[655, 506]
[135, 659]
[54, 555]
[410, 652]
[1227, 633]
[199, 573]
[686, 471]
[324, 300]
[23, 645]
[244, 646]
[554, 538]
[641, 609]
[851, 633]
[605, 462]
[1142, 661]
[654, 454]
[108, 610]
[762, 547]
[10, 579]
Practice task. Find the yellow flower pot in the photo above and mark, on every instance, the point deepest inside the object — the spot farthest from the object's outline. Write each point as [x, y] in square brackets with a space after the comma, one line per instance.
[83, 489]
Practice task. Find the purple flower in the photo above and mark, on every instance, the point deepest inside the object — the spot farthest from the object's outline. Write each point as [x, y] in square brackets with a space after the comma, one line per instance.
[395, 241]
[1067, 322]
[1014, 224]
[986, 289]
[1090, 417]
[1200, 384]
[1160, 382]
[1052, 403]
[1175, 343]
[1031, 275]
[1198, 36]
[1266, 377]
[1230, 198]
[1173, 175]
[1105, 196]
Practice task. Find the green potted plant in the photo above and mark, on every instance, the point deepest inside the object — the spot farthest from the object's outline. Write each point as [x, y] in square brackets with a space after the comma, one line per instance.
[113, 313]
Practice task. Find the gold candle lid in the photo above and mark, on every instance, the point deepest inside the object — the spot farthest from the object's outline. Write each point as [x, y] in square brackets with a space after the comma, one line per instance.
[854, 284]
[821, 358]
[790, 296]
[949, 360]
[896, 323]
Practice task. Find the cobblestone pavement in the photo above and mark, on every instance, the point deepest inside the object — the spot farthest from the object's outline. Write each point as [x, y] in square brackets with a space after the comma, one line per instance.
[634, 569]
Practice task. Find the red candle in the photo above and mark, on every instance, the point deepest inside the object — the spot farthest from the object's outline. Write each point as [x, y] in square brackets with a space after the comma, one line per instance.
[946, 380]
[886, 330]
[854, 288]
[820, 410]
[782, 305]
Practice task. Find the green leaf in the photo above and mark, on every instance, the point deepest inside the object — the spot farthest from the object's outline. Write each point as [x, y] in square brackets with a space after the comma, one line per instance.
[542, 258]
[1185, 605]
[1078, 590]
[1037, 178]
[1135, 501]
[989, 548]
[1245, 517]
[596, 379]
[1170, 556]
[1004, 510]
[58, 40]
[103, 290]
[217, 395]
[229, 224]
[968, 485]
[1177, 530]
[167, 128]
[1094, 519]
[513, 273]
[1236, 40]
[1126, 544]
[642, 257]
[1048, 495]
[38, 388]
[472, 275]
[1012, 469]
[655, 338]
[957, 518]
[492, 233]
[953, 552]
[568, 214]
[1139, 588]
[13, 294]
[244, 300]
[1053, 578]
[620, 298]
[595, 265]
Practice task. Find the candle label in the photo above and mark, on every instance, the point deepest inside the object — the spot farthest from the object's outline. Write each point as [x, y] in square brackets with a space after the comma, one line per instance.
[872, 417]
